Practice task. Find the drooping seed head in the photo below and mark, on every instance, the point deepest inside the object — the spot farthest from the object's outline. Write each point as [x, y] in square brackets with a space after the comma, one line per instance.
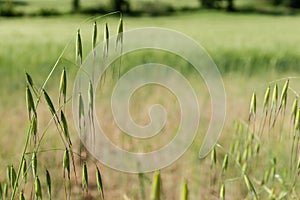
[13, 176]
[63, 85]
[24, 170]
[78, 48]
[106, 39]
[275, 95]
[99, 182]
[120, 31]
[34, 164]
[283, 96]
[267, 99]
[81, 107]
[65, 127]
[66, 163]
[48, 182]
[184, 191]
[250, 186]
[156, 186]
[22, 196]
[49, 103]
[38, 188]
[222, 192]
[297, 121]
[29, 102]
[85, 177]
[225, 163]
[294, 110]
[252, 111]
[95, 34]
[91, 96]
[213, 159]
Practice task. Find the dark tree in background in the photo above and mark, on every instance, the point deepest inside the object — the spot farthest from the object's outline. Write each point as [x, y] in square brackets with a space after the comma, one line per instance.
[295, 3]
[230, 6]
[75, 5]
[121, 5]
[290, 3]
[217, 3]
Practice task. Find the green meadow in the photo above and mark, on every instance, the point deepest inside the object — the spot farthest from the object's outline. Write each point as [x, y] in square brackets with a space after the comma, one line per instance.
[252, 52]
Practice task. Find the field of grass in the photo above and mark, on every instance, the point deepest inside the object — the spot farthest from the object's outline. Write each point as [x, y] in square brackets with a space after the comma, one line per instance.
[250, 51]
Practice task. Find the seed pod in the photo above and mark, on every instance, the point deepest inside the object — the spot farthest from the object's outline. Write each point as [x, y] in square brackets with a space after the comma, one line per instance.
[91, 96]
[34, 164]
[297, 121]
[252, 111]
[78, 48]
[30, 103]
[63, 85]
[34, 128]
[275, 95]
[213, 159]
[184, 191]
[95, 35]
[5, 190]
[225, 163]
[65, 127]
[294, 110]
[24, 170]
[1, 191]
[13, 176]
[99, 182]
[85, 177]
[120, 31]
[106, 38]
[250, 186]
[66, 163]
[156, 186]
[266, 99]
[22, 196]
[266, 177]
[48, 182]
[38, 188]
[81, 107]
[283, 96]
[29, 79]
[238, 157]
[49, 103]
[222, 192]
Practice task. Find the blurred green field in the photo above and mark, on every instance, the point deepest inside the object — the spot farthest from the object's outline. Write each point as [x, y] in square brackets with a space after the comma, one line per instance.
[250, 50]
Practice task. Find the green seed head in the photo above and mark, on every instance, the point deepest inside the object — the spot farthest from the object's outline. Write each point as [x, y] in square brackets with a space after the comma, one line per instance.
[99, 182]
[95, 35]
[48, 182]
[222, 192]
[34, 164]
[184, 191]
[156, 186]
[78, 48]
[63, 85]
[22, 196]
[24, 170]
[66, 163]
[38, 188]
[85, 177]
[294, 109]
[266, 99]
